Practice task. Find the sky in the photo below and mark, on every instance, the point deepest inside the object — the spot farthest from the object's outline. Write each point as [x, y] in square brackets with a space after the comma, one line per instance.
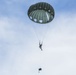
[19, 51]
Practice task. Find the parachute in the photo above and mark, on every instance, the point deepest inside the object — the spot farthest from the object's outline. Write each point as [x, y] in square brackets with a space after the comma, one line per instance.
[41, 12]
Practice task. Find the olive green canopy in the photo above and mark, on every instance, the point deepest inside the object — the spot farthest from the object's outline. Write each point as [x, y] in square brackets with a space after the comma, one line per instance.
[41, 13]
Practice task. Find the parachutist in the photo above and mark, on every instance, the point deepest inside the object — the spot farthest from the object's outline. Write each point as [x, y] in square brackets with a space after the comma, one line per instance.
[39, 70]
[40, 46]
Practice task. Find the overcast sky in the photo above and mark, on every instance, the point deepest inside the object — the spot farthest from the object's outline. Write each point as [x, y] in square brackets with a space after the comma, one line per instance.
[19, 52]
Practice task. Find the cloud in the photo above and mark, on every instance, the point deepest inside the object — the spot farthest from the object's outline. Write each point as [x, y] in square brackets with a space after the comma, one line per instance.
[19, 52]
[13, 42]
[62, 32]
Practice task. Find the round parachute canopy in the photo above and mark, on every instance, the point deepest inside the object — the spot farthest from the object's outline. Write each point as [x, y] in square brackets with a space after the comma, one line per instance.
[41, 13]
